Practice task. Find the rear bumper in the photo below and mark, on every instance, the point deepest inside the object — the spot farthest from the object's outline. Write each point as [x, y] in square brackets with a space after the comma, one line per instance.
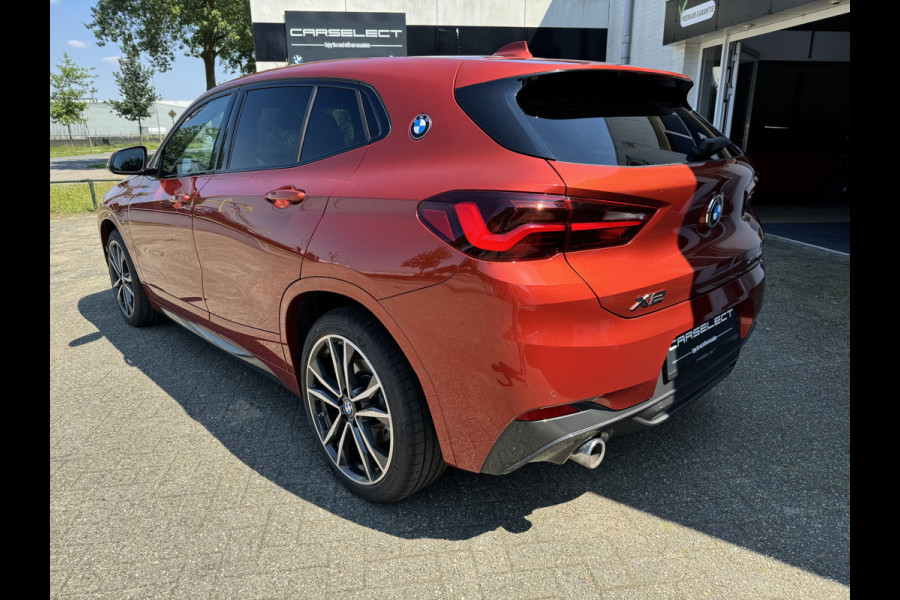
[554, 440]
[498, 340]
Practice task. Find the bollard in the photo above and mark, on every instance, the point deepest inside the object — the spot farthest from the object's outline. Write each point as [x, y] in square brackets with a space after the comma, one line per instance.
[93, 195]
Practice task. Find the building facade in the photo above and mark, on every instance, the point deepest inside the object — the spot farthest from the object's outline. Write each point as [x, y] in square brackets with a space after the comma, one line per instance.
[553, 28]
[773, 75]
[101, 122]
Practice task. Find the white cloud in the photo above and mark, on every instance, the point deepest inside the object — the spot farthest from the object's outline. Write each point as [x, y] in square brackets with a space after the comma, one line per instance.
[54, 1]
[113, 60]
[77, 44]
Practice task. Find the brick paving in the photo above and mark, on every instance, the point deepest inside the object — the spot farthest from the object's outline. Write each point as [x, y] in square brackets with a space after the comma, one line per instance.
[177, 472]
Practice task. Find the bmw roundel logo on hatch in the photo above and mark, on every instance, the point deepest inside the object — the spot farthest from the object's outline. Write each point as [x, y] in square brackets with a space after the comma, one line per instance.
[714, 210]
[420, 127]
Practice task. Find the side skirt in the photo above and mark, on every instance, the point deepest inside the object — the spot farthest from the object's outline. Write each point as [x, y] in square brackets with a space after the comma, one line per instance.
[223, 344]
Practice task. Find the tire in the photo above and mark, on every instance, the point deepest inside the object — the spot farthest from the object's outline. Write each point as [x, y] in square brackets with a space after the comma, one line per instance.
[370, 420]
[127, 288]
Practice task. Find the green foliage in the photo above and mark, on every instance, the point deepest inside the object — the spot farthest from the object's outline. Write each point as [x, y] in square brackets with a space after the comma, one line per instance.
[206, 29]
[67, 88]
[75, 198]
[67, 150]
[135, 86]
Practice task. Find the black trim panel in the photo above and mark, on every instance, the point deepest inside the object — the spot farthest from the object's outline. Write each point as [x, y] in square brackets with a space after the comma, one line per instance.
[269, 43]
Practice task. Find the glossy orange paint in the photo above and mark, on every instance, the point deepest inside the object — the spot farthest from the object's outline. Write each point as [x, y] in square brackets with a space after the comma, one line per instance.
[163, 241]
[252, 250]
[505, 338]
[675, 253]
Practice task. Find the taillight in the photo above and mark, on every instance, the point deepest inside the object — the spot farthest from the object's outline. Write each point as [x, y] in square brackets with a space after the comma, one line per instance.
[505, 226]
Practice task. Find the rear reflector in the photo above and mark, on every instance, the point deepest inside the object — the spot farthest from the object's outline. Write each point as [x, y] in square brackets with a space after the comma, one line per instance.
[548, 413]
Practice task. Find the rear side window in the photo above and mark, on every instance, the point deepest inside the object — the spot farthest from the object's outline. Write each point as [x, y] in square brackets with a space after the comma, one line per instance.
[376, 117]
[591, 117]
[269, 128]
[335, 124]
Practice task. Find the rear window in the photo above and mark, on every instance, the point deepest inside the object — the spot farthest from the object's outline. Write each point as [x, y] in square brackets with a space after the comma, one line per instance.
[592, 117]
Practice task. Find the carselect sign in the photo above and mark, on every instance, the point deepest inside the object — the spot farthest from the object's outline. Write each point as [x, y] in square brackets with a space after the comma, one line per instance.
[316, 35]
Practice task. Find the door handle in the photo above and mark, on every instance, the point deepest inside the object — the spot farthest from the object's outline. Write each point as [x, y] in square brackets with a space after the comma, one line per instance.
[177, 199]
[284, 197]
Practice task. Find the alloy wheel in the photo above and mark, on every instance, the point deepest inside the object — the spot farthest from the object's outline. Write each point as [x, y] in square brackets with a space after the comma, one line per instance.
[120, 276]
[349, 410]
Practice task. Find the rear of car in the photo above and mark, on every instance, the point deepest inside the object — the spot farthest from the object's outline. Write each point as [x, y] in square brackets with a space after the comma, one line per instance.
[512, 259]
[605, 306]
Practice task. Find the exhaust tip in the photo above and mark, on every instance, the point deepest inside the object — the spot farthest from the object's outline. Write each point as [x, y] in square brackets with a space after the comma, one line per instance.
[590, 454]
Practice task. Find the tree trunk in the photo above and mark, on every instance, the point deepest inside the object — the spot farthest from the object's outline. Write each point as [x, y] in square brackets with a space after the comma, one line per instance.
[69, 127]
[209, 61]
[140, 133]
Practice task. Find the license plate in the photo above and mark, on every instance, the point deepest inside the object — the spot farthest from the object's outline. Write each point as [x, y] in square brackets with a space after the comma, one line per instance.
[696, 345]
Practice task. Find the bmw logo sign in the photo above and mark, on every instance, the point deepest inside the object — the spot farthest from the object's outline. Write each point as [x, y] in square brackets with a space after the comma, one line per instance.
[420, 127]
[714, 210]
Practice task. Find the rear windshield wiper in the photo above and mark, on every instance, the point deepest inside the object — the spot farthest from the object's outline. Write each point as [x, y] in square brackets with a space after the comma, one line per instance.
[707, 147]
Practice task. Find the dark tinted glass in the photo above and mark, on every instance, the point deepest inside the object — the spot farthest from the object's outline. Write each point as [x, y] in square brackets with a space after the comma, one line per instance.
[376, 117]
[128, 160]
[591, 117]
[268, 130]
[335, 124]
[190, 149]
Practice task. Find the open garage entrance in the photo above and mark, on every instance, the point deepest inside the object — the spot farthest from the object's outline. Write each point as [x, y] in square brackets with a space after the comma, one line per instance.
[786, 102]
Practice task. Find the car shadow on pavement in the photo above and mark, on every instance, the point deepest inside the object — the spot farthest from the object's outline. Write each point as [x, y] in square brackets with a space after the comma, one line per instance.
[723, 466]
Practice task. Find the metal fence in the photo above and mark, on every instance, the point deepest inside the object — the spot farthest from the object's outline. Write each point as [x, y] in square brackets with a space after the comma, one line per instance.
[102, 140]
[78, 195]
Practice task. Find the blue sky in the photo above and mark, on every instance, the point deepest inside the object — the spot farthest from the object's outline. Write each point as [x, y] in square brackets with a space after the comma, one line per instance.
[184, 81]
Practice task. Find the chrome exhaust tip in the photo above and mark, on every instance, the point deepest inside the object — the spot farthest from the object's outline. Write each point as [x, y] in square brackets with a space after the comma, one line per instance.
[590, 454]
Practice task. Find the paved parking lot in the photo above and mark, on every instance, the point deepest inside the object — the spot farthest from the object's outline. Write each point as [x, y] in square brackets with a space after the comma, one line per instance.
[177, 472]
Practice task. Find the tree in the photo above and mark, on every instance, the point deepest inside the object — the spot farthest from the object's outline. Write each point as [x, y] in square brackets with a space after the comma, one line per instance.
[135, 86]
[206, 29]
[67, 88]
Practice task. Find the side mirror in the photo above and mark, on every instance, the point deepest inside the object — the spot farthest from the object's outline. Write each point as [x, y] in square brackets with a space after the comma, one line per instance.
[128, 161]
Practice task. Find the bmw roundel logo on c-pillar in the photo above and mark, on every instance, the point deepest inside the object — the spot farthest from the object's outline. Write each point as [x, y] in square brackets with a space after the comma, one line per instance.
[420, 126]
[714, 211]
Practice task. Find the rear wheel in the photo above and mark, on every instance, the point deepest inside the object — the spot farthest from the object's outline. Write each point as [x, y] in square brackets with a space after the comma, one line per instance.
[126, 285]
[366, 409]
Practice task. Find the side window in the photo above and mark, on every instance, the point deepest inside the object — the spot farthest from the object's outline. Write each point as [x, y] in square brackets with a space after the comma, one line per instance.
[334, 124]
[190, 149]
[268, 131]
[376, 117]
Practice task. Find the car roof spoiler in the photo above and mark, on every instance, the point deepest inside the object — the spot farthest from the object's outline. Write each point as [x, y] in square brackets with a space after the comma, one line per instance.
[514, 50]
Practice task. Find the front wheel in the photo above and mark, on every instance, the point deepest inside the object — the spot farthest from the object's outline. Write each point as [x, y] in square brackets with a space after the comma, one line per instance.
[365, 408]
[126, 285]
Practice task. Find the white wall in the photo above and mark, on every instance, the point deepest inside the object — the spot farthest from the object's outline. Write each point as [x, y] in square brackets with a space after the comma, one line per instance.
[102, 121]
[647, 49]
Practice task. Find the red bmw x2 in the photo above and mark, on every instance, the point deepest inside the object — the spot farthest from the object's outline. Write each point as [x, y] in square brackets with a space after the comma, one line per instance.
[480, 262]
